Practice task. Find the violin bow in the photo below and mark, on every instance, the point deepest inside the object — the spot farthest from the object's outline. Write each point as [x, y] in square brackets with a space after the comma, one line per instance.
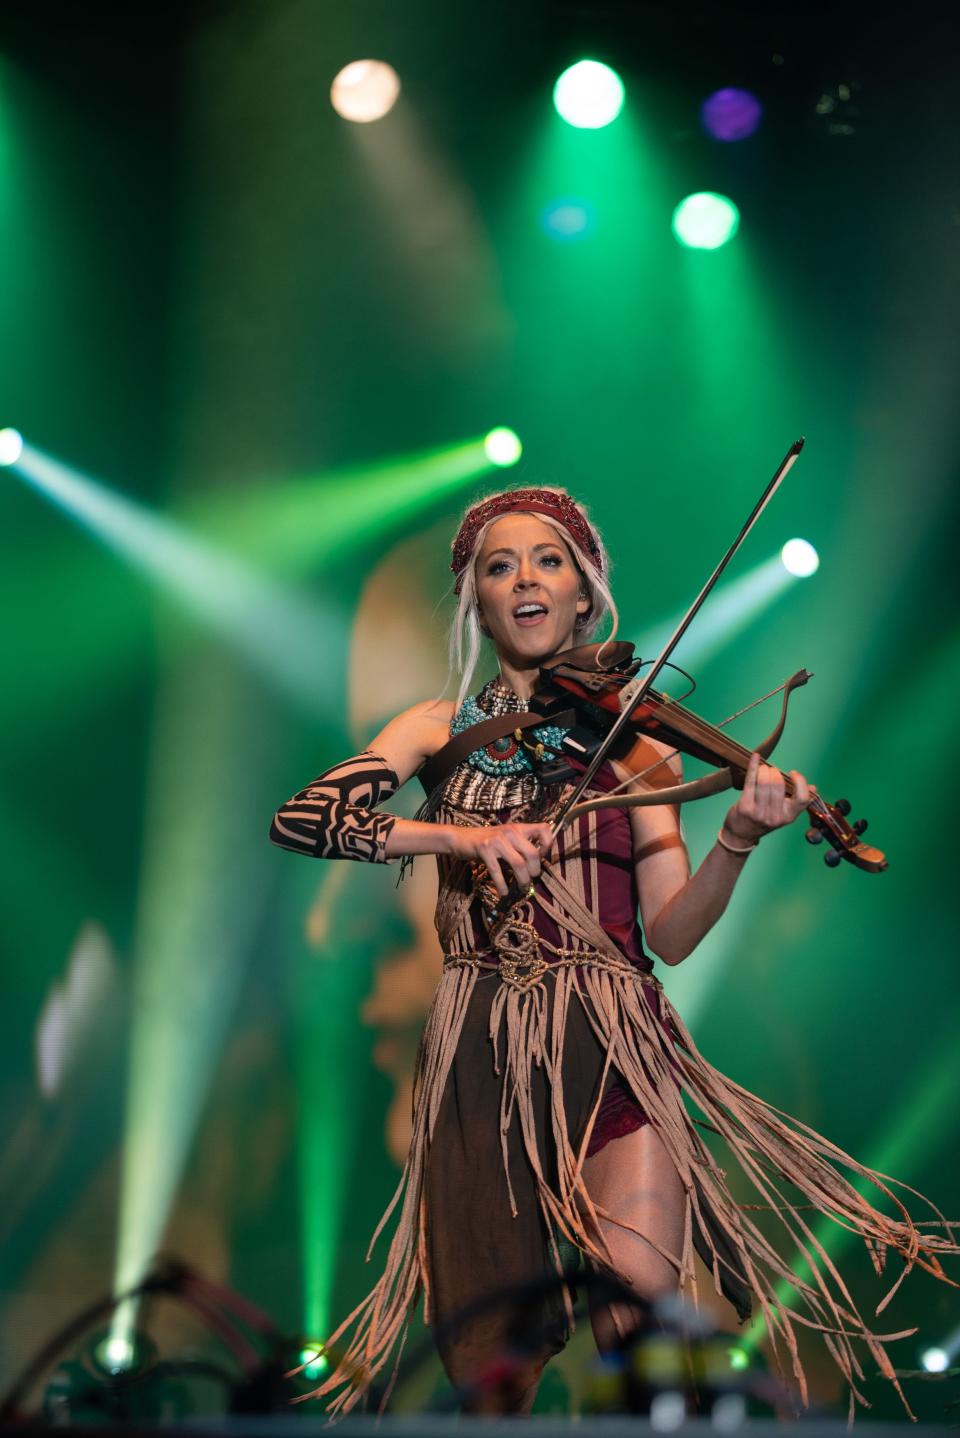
[636, 690]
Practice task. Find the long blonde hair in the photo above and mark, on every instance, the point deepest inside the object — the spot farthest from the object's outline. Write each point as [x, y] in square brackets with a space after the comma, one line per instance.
[466, 636]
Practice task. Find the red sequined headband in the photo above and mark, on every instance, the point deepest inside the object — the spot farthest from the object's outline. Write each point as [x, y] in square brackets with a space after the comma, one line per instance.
[541, 501]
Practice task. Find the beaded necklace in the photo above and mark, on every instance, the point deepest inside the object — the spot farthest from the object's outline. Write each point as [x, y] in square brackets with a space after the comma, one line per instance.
[505, 757]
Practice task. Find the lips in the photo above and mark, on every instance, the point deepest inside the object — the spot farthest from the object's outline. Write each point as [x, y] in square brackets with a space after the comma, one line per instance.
[530, 614]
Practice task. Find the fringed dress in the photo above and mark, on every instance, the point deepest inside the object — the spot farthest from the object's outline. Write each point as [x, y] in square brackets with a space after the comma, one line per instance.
[548, 1036]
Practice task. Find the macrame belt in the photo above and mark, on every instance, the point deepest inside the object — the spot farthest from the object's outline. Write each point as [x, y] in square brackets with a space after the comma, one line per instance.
[522, 971]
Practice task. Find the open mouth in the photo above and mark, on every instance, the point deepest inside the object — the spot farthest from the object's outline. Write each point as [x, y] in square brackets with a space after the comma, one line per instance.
[530, 613]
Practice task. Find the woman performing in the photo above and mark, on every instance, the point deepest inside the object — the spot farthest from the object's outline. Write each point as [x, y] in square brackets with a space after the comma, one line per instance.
[559, 1100]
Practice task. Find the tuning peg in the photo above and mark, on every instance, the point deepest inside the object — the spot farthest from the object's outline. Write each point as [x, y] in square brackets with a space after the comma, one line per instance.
[813, 836]
[842, 806]
[861, 826]
[831, 858]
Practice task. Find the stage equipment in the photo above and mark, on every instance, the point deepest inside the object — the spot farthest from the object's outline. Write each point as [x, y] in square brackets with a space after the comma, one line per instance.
[731, 114]
[705, 221]
[365, 91]
[502, 447]
[673, 1359]
[11, 446]
[800, 558]
[588, 95]
[126, 1381]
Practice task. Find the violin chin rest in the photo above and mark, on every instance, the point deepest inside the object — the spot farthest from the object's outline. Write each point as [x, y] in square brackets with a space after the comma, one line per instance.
[594, 658]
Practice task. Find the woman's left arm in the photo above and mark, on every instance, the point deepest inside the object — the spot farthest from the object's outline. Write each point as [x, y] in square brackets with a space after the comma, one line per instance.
[678, 908]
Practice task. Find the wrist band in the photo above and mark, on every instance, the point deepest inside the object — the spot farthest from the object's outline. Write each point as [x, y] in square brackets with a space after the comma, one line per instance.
[732, 849]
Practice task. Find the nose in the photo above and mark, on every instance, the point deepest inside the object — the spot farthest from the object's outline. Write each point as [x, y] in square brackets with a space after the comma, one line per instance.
[525, 576]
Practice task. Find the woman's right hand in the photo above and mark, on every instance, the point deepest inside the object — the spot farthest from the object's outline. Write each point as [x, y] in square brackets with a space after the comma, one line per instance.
[522, 847]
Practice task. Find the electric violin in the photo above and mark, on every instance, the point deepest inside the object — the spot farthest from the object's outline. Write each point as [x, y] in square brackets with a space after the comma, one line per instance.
[593, 681]
[608, 689]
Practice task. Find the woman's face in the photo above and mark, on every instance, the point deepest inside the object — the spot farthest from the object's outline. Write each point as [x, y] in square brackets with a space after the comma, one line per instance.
[529, 590]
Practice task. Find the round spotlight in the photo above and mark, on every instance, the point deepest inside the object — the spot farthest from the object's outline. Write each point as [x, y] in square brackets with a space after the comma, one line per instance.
[731, 114]
[11, 446]
[588, 95]
[502, 447]
[115, 1354]
[739, 1358]
[365, 90]
[799, 557]
[313, 1355]
[567, 219]
[935, 1360]
[705, 221]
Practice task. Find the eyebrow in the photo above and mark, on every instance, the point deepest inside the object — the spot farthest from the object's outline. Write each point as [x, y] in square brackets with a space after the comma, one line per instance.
[547, 544]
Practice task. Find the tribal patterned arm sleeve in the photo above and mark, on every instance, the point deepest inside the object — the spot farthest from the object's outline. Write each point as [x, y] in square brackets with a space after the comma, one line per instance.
[334, 818]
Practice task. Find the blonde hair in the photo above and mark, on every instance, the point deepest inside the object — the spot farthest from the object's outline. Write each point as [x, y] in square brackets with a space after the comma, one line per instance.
[466, 635]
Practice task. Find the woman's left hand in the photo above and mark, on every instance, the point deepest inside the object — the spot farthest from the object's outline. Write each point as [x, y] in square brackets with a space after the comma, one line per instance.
[763, 803]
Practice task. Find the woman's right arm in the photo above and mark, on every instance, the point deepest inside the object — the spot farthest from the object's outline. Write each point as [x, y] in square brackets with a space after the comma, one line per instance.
[336, 816]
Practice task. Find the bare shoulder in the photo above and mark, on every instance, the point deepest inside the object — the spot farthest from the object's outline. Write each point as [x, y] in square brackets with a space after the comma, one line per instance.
[414, 735]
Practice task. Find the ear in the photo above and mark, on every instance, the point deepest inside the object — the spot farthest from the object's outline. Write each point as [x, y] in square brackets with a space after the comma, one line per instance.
[483, 627]
[584, 604]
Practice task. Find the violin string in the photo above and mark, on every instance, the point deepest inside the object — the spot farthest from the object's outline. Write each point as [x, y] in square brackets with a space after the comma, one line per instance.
[674, 752]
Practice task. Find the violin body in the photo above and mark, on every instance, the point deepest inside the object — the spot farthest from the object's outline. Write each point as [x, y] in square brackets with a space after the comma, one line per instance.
[593, 679]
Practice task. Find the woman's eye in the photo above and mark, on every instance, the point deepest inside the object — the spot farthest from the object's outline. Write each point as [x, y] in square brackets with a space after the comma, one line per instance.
[553, 559]
[497, 566]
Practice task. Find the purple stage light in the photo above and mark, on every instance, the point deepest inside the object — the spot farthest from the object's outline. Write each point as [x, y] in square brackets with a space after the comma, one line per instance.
[731, 114]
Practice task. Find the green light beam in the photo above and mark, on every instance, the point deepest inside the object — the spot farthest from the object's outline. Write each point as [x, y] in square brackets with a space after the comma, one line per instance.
[302, 524]
[731, 609]
[203, 885]
[272, 628]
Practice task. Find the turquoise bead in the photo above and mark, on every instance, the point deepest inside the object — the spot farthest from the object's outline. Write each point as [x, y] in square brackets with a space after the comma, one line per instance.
[470, 713]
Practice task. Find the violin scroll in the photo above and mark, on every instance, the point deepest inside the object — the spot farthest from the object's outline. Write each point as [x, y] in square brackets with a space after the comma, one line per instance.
[829, 821]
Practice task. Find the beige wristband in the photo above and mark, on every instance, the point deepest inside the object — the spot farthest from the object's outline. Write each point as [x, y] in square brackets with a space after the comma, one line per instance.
[732, 848]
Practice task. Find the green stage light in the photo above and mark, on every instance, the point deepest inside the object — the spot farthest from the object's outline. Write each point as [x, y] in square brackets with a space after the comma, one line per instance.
[738, 1359]
[11, 446]
[502, 447]
[800, 558]
[705, 221]
[115, 1354]
[314, 1359]
[588, 95]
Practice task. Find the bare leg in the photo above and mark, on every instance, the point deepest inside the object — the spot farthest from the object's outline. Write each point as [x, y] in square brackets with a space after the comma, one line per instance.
[634, 1178]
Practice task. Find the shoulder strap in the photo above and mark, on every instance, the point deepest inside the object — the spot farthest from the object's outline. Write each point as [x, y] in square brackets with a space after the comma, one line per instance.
[442, 764]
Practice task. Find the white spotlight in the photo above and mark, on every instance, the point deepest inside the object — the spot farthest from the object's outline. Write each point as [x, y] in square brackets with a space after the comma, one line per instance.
[800, 558]
[935, 1360]
[11, 446]
[365, 90]
[115, 1354]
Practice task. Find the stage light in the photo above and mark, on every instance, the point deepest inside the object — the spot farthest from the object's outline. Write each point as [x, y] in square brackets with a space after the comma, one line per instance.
[588, 95]
[705, 221]
[11, 446]
[935, 1360]
[115, 1354]
[567, 219]
[364, 91]
[314, 1359]
[800, 558]
[731, 114]
[502, 447]
[738, 1358]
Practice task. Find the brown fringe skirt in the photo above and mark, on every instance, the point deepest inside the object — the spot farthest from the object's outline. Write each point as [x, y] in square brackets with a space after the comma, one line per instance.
[510, 1076]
